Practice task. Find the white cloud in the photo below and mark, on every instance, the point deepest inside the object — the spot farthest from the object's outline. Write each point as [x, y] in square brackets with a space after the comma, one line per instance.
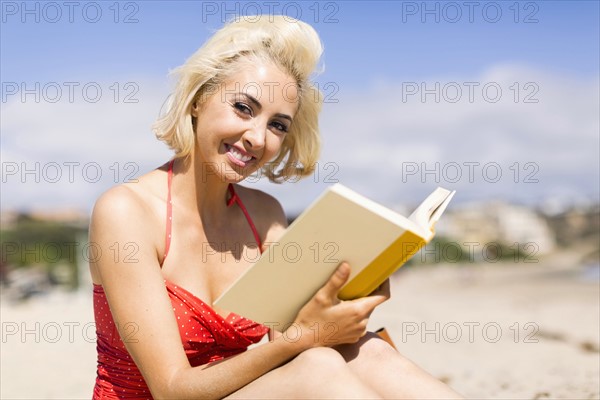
[84, 139]
[553, 140]
[371, 139]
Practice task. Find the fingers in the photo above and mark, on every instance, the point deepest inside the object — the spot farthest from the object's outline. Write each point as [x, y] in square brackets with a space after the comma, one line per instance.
[382, 290]
[336, 281]
[351, 317]
[363, 326]
[366, 305]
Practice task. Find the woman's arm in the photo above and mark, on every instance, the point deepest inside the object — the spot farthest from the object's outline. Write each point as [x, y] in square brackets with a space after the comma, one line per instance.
[136, 294]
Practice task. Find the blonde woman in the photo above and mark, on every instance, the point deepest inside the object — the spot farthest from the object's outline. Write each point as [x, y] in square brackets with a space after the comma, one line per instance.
[243, 103]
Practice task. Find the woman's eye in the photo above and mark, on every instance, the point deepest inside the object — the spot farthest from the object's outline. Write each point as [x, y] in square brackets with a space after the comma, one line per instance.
[279, 126]
[242, 108]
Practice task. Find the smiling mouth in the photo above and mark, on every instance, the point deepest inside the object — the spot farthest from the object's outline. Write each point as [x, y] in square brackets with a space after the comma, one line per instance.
[237, 156]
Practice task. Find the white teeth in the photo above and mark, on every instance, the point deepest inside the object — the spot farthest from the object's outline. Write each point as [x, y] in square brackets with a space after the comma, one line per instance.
[239, 155]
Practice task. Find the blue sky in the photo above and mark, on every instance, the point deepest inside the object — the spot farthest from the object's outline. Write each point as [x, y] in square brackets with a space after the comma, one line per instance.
[374, 52]
[561, 35]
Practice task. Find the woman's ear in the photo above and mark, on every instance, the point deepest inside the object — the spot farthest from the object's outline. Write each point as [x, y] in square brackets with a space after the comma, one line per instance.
[194, 110]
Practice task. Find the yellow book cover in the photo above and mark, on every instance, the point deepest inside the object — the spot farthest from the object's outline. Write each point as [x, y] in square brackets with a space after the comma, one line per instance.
[341, 225]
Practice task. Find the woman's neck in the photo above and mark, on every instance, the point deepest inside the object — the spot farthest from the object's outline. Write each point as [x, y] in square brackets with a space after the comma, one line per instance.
[200, 189]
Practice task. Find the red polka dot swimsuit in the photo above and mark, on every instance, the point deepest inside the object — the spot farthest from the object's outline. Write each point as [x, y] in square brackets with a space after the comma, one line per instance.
[205, 335]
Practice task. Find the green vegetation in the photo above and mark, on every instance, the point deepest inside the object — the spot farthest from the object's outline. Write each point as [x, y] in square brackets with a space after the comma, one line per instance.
[445, 250]
[50, 245]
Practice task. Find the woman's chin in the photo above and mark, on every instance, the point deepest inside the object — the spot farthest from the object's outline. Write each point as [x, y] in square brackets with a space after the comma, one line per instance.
[235, 174]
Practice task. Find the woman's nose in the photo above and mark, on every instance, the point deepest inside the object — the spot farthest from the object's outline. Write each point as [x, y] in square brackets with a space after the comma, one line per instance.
[255, 136]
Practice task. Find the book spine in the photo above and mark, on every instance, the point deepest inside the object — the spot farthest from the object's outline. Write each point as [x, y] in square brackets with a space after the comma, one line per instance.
[374, 274]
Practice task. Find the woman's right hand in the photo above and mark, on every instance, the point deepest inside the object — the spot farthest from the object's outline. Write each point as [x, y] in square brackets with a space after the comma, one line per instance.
[328, 321]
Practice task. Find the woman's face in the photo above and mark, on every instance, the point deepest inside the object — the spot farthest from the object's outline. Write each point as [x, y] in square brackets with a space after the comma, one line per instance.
[243, 124]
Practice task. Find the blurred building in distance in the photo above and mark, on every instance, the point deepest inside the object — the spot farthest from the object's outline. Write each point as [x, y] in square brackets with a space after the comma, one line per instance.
[498, 221]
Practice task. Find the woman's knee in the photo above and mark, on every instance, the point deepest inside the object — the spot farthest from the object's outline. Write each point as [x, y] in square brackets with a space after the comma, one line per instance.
[375, 349]
[376, 346]
[323, 357]
[323, 372]
[370, 346]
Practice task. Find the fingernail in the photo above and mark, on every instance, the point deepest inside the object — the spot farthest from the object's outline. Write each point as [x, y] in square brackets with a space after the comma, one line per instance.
[342, 272]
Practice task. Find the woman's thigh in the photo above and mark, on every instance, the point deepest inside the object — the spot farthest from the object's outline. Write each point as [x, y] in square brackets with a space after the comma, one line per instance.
[383, 369]
[315, 373]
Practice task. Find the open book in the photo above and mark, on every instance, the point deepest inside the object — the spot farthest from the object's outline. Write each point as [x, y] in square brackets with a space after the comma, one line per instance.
[341, 225]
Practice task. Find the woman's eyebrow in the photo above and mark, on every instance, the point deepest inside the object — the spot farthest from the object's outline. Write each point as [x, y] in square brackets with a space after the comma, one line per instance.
[254, 101]
[284, 116]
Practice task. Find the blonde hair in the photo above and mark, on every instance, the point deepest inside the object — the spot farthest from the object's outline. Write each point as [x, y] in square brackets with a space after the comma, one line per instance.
[292, 45]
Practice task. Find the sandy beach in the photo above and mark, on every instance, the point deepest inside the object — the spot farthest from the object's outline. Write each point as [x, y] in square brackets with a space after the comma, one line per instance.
[492, 331]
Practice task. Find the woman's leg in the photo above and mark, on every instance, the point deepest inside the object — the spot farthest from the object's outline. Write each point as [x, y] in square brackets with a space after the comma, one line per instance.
[319, 373]
[387, 372]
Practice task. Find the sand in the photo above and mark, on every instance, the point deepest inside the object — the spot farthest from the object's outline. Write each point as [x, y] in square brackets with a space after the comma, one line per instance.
[492, 331]
[501, 332]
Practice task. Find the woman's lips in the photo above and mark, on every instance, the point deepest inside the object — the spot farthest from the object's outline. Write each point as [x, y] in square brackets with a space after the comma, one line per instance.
[238, 156]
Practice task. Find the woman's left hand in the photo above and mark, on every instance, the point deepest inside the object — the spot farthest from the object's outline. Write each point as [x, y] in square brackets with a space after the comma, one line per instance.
[382, 290]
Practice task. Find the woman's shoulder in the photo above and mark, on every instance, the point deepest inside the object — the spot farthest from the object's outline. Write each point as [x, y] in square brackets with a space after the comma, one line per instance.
[136, 201]
[261, 202]
[256, 195]
[265, 210]
[130, 216]
[134, 194]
